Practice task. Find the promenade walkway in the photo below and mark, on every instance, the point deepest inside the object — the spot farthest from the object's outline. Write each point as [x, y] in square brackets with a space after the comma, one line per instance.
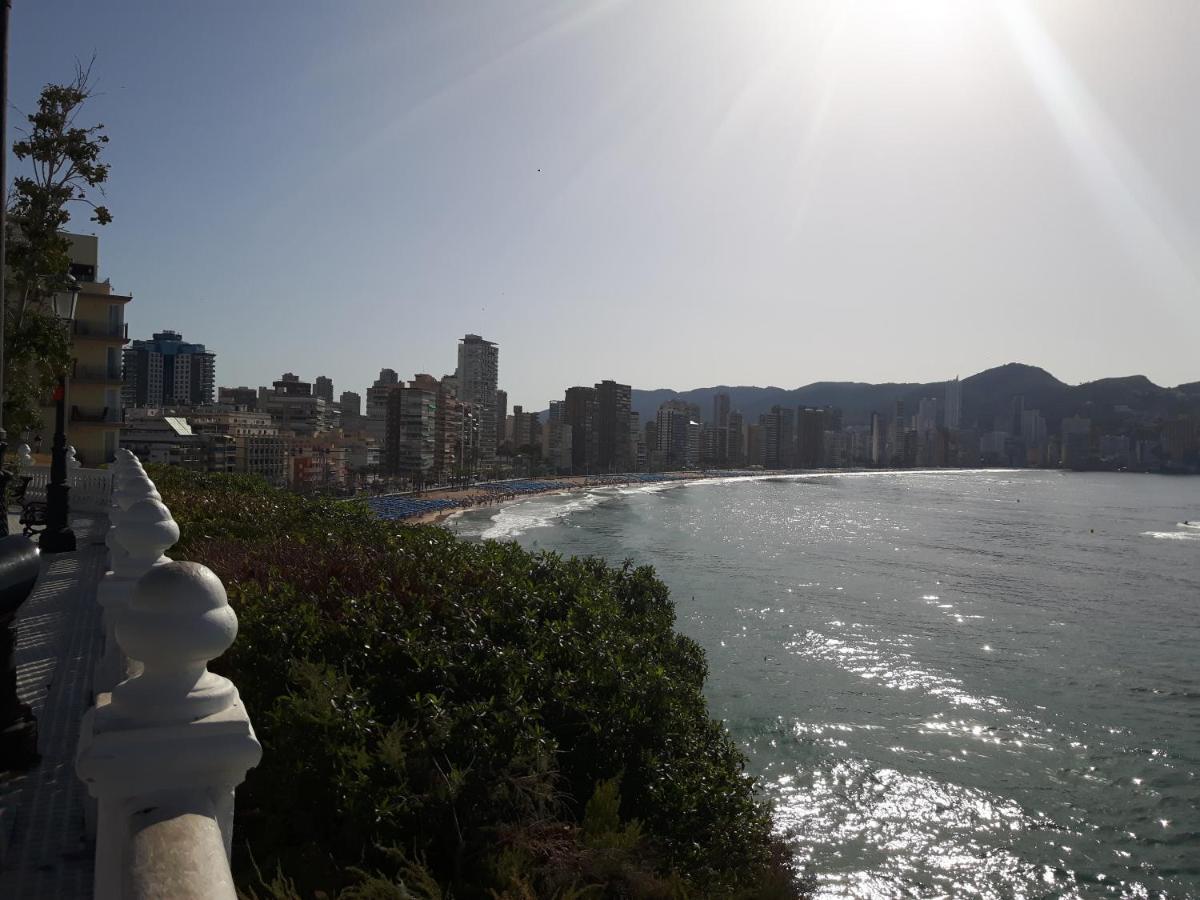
[44, 848]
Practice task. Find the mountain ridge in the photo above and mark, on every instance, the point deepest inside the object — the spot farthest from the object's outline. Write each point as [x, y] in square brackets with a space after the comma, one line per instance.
[986, 397]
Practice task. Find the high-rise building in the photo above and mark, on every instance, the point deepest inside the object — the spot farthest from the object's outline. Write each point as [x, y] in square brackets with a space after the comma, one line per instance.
[953, 416]
[501, 416]
[736, 440]
[678, 442]
[810, 438]
[556, 438]
[1076, 441]
[637, 443]
[351, 404]
[167, 371]
[377, 404]
[411, 437]
[720, 410]
[878, 441]
[927, 411]
[477, 375]
[780, 442]
[612, 427]
[1016, 415]
[756, 444]
[579, 412]
[323, 388]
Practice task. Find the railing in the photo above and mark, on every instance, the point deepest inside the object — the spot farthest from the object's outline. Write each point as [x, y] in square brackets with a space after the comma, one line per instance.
[107, 415]
[167, 741]
[91, 489]
[95, 374]
[102, 329]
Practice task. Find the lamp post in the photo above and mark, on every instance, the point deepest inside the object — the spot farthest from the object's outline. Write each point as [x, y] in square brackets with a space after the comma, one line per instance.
[58, 536]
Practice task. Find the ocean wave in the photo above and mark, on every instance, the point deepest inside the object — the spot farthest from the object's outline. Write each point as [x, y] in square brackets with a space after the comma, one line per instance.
[1174, 535]
[512, 521]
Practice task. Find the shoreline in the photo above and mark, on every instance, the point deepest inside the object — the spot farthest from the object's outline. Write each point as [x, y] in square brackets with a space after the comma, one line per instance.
[477, 497]
[573, 484]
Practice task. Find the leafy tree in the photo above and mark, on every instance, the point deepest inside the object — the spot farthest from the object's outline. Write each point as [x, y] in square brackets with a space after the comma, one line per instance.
[66, 169]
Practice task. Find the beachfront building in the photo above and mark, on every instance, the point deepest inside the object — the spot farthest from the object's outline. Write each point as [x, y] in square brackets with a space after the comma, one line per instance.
[477, 375]
[556, 439]
[779, 447]
[501, 417]
[678, 443]
[579, 411]
[811, 425]
[952, 417]
[736, 439]
[1076, 441]
[410, 441]
[377, 404]
[613, 446]
[316, 463]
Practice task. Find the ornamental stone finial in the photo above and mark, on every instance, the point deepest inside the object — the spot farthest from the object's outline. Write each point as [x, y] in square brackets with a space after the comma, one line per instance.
[135, 485]
[24, 456]
[178, 620]
[139, 537]
[145, 532]
[72, 462]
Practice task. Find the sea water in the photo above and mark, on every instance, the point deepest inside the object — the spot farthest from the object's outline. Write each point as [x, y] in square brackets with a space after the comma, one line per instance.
[949, 683]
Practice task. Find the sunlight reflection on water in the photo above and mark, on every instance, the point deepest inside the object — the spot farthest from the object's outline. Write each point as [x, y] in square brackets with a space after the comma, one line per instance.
[945, 693]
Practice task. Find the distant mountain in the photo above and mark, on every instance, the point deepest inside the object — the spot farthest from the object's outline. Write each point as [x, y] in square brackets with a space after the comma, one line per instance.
[986, 397]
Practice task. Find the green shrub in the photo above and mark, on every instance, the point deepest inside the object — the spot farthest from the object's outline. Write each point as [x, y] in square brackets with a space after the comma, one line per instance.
[460, 703]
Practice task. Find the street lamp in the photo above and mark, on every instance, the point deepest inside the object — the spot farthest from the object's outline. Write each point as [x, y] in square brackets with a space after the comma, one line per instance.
[58, 536]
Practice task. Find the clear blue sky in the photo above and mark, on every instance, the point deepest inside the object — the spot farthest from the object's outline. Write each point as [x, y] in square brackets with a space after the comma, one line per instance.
[671, 194]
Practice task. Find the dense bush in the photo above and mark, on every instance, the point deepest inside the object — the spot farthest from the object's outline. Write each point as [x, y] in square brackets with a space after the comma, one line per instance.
[442, 712]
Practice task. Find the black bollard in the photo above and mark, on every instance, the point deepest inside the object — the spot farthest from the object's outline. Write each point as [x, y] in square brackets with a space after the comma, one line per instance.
[18, 728]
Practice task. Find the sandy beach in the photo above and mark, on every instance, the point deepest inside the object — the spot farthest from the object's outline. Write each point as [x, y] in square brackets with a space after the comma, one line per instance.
[475, 498]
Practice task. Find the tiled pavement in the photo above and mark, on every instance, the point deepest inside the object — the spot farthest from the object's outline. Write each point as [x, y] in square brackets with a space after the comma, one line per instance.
[44, 848]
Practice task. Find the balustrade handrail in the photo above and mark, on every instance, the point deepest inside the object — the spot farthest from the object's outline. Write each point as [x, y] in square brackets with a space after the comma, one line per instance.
[91, 489]
[161, 765]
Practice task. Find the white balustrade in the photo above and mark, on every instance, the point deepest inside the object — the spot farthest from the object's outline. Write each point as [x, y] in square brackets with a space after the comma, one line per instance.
[163, 751]
[91, 489]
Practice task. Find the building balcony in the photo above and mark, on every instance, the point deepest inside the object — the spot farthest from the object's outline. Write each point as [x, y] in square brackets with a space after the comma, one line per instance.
[102, 331]
[91, 416]
[96, 374]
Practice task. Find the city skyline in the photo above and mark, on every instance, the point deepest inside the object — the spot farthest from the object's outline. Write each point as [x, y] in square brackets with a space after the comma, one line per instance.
[802, 191]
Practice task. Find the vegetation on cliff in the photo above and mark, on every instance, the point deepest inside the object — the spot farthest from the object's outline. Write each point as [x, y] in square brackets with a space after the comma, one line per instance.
[465, 720]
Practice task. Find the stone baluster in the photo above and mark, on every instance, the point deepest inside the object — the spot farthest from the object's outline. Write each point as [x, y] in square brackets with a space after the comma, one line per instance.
[163, 753]
[145, 530]
[134, 485]
[124, 466]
